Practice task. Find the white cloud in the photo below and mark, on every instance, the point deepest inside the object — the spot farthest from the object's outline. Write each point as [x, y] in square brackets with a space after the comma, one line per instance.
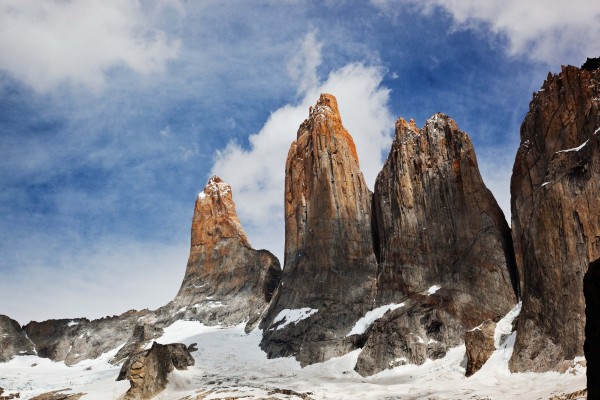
[46, 43]
[553, 31]
[257, 174]
[303, 65]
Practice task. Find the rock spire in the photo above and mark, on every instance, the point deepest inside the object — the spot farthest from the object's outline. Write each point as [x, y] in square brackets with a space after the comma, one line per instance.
[329, 273]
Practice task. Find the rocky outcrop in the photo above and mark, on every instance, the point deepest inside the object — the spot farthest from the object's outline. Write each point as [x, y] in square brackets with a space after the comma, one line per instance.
[226, 281]
[555, 188]
[329, 273]
[59, 395]
[443, 244]
[591, 288]
[74, 340]
[147, 371]
[141, 336]
[479, 344]
[410, 334]
[13, 340]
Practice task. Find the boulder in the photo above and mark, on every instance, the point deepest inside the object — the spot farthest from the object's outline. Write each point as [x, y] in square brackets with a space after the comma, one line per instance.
[479, 343]
[148, 370]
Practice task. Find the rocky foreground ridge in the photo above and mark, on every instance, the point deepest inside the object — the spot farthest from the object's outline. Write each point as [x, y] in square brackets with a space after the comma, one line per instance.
[425, 263]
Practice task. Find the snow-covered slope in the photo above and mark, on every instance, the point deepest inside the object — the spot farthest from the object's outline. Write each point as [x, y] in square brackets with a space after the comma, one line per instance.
[229, 363]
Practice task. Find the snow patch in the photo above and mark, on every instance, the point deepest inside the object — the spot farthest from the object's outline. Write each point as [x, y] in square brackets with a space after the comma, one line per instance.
[371, 316]
[72, 323]
[202, 195]
[433, 289]
[288, 316]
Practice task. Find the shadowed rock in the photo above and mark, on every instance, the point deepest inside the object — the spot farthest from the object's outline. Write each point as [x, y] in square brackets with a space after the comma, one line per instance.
[555, 189]
[591, 287]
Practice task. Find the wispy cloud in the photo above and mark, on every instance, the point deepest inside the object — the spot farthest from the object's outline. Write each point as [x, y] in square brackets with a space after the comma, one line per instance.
[552, 31]
[47, 43]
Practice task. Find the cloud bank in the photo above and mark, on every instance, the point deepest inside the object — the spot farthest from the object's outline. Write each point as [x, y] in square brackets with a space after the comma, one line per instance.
[46, 43]
[552, 31]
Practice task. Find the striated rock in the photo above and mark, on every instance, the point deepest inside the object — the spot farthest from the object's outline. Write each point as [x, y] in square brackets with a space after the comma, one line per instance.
[591, 288]
[555, 188]
[479, 343]
[441, 239]
[142, 335]
[329, 274]
[74, 340]
[226, 281]
[148, 371]
[13, 340]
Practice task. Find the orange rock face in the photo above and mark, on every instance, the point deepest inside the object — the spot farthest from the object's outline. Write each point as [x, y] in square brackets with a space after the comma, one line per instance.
[330, 265]
[226, 280]
[555, 189]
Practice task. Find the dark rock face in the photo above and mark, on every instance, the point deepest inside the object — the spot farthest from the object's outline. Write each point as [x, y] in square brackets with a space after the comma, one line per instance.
[591, 347]
[13, 340]
[409, 335]
[74, 340]
[591, 64]
[329, 274]
[226, 280]
[555, 188]
[443, 245]
[148, 371]
[479, 343]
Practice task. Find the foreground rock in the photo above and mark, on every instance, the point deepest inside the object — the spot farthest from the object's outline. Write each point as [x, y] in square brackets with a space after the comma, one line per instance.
[479, 343]
[329, 275]
[591, 287]
[148, 371]
[226, 281]
[13, 340]
[555, 189]
[443, 245]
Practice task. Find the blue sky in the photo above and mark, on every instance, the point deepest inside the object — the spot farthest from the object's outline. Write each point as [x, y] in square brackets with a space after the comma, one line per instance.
[114, 114]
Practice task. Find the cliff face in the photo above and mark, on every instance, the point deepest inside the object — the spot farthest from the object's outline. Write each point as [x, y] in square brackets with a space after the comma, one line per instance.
[444, 246]
[329, 273]
[554, 197]
[226, 280]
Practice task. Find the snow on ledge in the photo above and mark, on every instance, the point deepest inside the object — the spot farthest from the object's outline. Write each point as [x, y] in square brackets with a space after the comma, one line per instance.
[288, 316]
[371, 316]
[433, 289]
[581, 146]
